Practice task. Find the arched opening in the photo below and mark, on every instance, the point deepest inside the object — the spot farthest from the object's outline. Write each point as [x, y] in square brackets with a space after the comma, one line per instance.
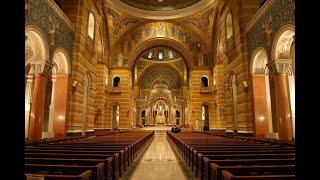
[166, 115]
[158, 114]
[36, 49]
[116, 81]
[177, 117]
[291, 84]
[204, 81]
[143, 118]
[229, 30]
[233, 83]
[115, 117]
[262, 115]
[86, 85]
[205, 116]
[91, 25]
[284, 89]
[59, 93]
[29, 86]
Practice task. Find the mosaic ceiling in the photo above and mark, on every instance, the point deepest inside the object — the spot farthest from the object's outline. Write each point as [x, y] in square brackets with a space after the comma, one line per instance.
[158, 74]
[160, 5]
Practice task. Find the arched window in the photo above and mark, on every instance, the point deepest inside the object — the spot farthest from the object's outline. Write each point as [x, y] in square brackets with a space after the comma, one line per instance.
[205, 116]
[170, 54]
[160, 55]
[233, 81]
[214, 80]
[229, 29]
[115, 116]
[116, 82]
[204, 81]
[91, 25]
[150, 55]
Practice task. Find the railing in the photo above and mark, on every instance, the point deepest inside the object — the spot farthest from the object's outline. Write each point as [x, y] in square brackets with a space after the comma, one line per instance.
[206, 90]
[110, 89]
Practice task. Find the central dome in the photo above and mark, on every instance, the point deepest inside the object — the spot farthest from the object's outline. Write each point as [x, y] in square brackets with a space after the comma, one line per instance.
[160, 9]
[160, 5]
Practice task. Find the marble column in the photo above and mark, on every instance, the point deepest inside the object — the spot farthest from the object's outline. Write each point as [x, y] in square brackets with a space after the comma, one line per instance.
[60, 106]
[28, 102]
[279, 68]
[260, 105]
[39, 68]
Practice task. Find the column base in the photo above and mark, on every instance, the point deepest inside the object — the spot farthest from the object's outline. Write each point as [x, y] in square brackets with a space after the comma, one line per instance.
[272, 135]
[47, 135]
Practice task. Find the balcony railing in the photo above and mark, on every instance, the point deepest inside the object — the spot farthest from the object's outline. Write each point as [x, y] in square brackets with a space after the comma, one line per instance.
[110, 89]
[206, 90]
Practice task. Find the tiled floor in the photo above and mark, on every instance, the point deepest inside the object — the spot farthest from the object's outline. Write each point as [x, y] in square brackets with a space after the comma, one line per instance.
[159, 162]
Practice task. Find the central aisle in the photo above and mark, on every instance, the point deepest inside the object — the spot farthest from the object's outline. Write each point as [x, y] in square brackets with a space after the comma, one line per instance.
[159, 162]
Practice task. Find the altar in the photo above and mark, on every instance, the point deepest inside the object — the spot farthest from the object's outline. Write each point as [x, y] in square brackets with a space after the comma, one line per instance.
[160, 120]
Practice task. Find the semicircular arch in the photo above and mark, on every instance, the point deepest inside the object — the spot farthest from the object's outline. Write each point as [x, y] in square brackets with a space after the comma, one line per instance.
[154, 67]
[62, 60]
[258, 62]
[39, 43]
[286, 30]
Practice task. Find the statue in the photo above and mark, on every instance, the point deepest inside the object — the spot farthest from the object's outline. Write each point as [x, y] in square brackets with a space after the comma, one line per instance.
[53, 26]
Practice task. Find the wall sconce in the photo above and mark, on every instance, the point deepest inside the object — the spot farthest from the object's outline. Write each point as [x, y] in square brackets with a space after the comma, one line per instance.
[245, 84]
[74, 83]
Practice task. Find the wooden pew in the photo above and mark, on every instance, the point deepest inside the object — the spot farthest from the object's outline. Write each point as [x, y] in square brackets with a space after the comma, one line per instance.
[198, 172]
[188, 149]
[61, 151]
[126, 156]
[198, 156]
[97, 170]
[122, 147]
[81, 175]
[131, 149]
[213, 168]
[192, 152]
[107, 163]
[115, 159]
[282, 172]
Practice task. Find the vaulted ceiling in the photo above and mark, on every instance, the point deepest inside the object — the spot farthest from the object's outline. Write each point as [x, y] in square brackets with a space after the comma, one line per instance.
[156, 5]
[160, 9]
[180, 30]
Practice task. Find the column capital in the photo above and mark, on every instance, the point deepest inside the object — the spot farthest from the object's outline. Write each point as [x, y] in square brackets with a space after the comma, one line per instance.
[279, 66]
[40, 66]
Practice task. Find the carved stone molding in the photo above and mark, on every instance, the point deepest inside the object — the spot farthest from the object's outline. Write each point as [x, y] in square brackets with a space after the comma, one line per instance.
[40, 66]
[279, 66]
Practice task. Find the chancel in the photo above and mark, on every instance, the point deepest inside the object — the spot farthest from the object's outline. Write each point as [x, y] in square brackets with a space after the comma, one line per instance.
[165, 89]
